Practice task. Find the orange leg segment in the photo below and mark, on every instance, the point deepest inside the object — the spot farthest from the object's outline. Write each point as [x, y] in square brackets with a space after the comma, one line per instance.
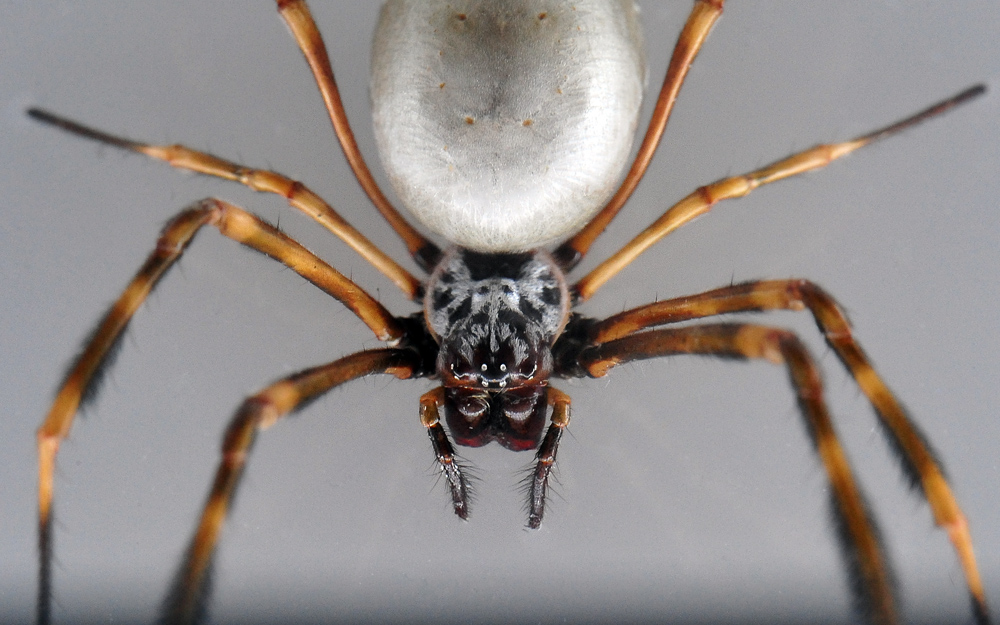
[295, 192]
[82, 379]
[703, 199]
[869, 565]
[300, 21]
[918, 460]
[699, 24]
[184, 603]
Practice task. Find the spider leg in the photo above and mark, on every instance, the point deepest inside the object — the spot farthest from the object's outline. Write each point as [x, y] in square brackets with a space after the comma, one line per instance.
[917, 458]
[444, 452]
[703, 16]
[869, 567]
[546, 456]
[297, 194]
[703, 199]
[186, 601]
[84, 375]
[296, 14]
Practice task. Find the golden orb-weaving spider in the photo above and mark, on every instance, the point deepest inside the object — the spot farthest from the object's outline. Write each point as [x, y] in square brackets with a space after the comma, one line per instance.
[497, 323]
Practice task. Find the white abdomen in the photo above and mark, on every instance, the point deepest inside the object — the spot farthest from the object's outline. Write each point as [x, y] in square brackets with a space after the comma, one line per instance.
[505, 125]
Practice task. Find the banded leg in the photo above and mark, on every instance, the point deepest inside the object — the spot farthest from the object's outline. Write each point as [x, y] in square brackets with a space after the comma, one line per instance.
[704, 198]
[444, 452]
[296, 14]
[869, 566]
[546, 456]
[297, 194]
[83, 378]
[187, 598]
[703, 17]
[917, 458]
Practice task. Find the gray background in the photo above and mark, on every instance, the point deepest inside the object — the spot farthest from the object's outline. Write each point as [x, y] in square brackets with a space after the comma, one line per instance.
[687, 487]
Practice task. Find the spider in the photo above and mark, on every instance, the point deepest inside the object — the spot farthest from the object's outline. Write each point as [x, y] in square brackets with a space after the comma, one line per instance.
[512, 390]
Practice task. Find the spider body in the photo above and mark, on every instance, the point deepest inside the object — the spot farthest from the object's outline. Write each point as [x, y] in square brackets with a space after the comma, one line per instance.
[496, 323]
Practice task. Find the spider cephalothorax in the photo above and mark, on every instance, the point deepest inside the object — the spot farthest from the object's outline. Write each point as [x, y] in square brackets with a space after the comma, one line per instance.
[496, 317]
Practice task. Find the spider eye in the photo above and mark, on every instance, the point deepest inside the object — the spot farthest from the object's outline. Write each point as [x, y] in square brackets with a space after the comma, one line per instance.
[512, 363]
[460, 368]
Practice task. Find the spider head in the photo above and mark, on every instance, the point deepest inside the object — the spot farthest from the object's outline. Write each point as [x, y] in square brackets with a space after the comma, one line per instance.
[495, 317]
[495, 385]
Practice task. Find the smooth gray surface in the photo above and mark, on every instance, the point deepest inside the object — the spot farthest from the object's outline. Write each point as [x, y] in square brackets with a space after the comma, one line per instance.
[687, 487]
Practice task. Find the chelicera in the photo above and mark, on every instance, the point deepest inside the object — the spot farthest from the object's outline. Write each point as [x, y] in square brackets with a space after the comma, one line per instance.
[505, 128]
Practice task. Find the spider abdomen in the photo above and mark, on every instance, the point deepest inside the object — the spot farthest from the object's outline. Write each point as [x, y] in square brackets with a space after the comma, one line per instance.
[504, 126]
